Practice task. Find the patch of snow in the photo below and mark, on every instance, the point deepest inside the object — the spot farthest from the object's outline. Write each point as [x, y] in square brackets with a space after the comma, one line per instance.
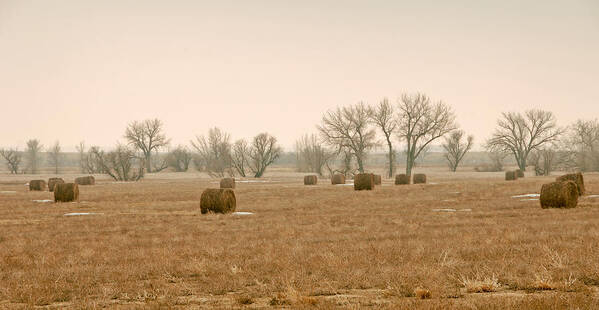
[449, 200]
[44, 200]
[8, 192]
[242, 213]
[530, 199]
[80, 213]
[593, 196]
[433, 183]
[527, 195]
[444, 210]
[346, 184]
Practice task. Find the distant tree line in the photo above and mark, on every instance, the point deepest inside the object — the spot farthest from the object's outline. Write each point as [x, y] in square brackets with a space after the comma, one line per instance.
[342, 143]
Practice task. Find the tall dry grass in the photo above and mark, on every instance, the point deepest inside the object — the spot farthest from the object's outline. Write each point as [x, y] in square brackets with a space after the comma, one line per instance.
[322, 246]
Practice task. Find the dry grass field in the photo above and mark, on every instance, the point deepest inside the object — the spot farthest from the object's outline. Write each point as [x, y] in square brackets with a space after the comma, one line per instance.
[146, 245]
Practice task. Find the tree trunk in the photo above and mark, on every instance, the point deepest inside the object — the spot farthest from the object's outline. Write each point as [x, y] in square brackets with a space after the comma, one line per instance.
[391, 158]
[360, 165]
[148, 163]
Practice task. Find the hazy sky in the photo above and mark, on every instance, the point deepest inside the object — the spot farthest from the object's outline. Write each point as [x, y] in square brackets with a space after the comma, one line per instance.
[81, 70]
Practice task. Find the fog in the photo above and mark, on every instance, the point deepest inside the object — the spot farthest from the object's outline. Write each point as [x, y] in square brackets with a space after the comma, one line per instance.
[82, 70]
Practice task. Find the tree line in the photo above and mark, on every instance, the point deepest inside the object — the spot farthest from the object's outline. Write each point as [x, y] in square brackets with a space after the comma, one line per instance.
[341, 144]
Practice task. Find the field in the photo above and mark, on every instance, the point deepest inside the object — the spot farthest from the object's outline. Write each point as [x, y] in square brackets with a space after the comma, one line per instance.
[460, 242]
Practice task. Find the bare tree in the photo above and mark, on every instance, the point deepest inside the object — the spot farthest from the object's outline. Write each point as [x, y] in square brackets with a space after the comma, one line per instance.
[543, 160]
[13, 159]
[122, 164]
[159, 162]
[215, 152]
[383, 116]
[521, 134]
[92, 162]
[421, 122]
[55, 156]
[348, 128]
[147, 136]
[239, 157]
[34, 148]
[179, 158]
[82, 156]
[455, 148]
[311, 155]
[581, 145]
[263, 152]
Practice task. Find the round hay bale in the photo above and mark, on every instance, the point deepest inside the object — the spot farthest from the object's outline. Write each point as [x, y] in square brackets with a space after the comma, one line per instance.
[54, 181]
[378, 179]
[511, 175]
[66, 192]
[519, 173]
[227, 183]
[559, 195]
[364, 181]
[217, 201]
[87, 180]
[401, 179]
[576, 178]
[338, 179]
[310, 180]
[419, 178]
[37, 185]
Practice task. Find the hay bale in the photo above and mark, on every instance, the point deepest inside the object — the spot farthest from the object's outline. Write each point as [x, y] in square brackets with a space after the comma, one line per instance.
[218, 201]
[511, 176]
[227, 183]
[402, 179]
[559, 195]
[338, 179]
[310, 180]
[66, 192]
[88, 180]
[52, 182]
[364, 181]
[519, 173]
[576, 178]
[378, 179]
[419, 178]
[37, 185]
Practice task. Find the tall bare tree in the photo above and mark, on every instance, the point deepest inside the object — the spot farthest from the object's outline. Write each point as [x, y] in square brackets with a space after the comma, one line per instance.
[13, 159]
[348, 128]
[122, 164]
[383, 115]
[581, 144]
[34, 148]
[82, 156]
[179, 158]
[420, 122]
[147, 136]
[521, 134]
[312, 156]
[239, 157]
[263, 152]
[55, 156]
[455, 148]
[214, 152]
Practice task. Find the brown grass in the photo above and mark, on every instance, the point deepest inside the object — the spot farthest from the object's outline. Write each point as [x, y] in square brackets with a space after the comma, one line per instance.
[519, 173]
[559, 195]
[324, 246]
